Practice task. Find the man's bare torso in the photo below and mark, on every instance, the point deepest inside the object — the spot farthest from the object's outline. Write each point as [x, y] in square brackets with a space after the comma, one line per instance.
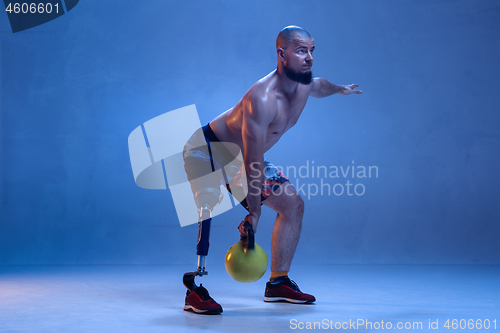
[284, 108]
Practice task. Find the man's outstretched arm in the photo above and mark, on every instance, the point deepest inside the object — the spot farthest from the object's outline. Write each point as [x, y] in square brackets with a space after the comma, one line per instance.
[323, 88]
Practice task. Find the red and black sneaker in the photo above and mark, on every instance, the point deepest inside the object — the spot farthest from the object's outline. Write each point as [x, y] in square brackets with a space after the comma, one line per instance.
[288, 291]
[199, 301]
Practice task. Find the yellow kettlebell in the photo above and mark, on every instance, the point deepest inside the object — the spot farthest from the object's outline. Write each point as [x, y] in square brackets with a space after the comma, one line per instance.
[246, 261]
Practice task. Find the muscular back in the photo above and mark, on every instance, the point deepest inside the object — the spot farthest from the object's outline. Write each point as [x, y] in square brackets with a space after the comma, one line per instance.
[281, 111]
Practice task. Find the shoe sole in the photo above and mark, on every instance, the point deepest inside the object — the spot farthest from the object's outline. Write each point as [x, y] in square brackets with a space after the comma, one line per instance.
[284, 299]
[198, 311]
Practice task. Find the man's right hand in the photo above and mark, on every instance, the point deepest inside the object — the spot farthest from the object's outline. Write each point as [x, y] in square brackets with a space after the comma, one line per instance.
[253, 220]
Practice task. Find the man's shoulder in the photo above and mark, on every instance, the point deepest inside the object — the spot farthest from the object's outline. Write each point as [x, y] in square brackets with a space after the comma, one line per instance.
[262, 93]
[260, 101]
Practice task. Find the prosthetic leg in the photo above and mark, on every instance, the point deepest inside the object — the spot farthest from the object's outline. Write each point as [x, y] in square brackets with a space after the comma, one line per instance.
[206, 199]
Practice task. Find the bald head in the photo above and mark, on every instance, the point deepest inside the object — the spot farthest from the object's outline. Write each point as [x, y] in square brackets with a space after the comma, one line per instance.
[286, 35]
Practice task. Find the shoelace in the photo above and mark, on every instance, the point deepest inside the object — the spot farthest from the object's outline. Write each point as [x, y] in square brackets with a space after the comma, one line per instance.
[294, 285]
[202, 292]
[291, 284]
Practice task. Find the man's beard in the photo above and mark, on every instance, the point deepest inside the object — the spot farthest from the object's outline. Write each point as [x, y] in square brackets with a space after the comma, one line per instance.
[304, 78]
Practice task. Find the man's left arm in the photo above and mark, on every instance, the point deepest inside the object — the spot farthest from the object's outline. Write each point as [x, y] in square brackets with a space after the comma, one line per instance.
[323, 88]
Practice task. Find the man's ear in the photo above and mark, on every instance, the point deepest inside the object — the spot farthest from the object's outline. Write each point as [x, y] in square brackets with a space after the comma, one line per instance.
[281, 54]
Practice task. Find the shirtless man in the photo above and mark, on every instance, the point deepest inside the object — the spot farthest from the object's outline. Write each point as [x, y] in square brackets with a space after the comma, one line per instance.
[270, 108]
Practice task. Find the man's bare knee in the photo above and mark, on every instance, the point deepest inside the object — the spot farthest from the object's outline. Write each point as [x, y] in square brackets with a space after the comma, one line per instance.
[299, 206]
[294, 206]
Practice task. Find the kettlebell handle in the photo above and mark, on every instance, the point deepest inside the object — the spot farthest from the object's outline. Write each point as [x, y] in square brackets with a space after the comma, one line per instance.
[250, 238]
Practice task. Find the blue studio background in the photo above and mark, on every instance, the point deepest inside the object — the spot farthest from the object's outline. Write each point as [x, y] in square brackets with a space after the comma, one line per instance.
[74, 88]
